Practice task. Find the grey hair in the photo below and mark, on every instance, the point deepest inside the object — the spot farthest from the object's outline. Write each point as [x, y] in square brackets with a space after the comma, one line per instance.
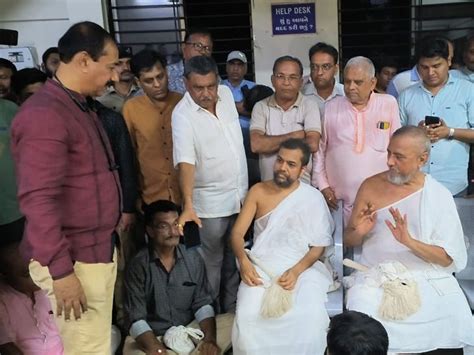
[415, 133]
[362, 62]
[201, 65]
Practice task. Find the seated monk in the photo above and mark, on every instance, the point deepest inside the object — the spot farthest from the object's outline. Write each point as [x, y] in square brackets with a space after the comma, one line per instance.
[292, 227]
[405, 218]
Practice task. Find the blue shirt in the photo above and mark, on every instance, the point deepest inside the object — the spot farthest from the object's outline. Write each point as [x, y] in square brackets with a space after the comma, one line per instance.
[244, 120]
[175, 77]
[403, 80]
[454, 103]
[463, 73]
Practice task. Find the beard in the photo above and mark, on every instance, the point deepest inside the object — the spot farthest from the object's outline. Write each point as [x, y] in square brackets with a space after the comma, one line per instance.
[399, 179]
[281, 180]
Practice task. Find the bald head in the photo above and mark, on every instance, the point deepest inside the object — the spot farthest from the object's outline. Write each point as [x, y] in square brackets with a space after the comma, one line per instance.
[417, 134]
[362, 63]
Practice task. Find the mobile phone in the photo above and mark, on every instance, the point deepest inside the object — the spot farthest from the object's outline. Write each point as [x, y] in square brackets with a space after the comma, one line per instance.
[429, 120]
[191, 237]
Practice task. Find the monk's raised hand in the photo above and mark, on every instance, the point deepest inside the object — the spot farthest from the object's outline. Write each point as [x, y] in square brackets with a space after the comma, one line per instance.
[365, 221]
[248, 274]
[288, 279]
[399, 228]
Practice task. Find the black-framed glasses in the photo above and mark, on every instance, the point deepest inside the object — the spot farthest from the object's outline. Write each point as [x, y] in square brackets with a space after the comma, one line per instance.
[324, 67]
[200, 47]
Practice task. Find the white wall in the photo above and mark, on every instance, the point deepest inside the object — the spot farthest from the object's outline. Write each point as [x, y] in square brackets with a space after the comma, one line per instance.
[268, 47]
[41, 23]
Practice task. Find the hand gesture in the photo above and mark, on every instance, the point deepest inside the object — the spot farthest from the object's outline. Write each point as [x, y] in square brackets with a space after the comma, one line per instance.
[288, 279]
[400, 228]
[330, 197]
[188, 215]
[69, 294]
[365, 221]
[248, 274]
[208, 348]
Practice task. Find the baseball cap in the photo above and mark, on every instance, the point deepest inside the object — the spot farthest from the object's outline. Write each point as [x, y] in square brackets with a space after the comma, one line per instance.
[237, 55]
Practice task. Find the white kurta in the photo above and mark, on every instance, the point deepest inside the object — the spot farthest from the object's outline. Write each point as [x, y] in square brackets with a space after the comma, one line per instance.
[444, 319]
[299, 221]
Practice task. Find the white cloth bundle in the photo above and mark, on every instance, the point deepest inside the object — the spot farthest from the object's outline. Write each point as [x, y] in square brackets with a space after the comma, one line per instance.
[180, 339]
[401, 297]
[276, 300]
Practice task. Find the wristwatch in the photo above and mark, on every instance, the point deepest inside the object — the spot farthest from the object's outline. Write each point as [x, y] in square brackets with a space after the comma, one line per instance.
[451, 134]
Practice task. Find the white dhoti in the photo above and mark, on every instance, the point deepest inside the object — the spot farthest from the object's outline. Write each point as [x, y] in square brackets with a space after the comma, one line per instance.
[444, 319]
[282, 238]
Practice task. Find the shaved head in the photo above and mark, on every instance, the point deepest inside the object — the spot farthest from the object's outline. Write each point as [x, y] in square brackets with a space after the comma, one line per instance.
[417, 134]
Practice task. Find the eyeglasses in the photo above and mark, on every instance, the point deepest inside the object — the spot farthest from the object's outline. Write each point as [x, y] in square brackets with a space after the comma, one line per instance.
[200, 47]
[324, 67]
[290, 78]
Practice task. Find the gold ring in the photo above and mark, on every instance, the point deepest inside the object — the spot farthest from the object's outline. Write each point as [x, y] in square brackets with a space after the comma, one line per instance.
[180, 225]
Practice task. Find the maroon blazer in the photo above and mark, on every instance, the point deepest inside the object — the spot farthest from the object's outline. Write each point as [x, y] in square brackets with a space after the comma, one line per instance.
[68, 188]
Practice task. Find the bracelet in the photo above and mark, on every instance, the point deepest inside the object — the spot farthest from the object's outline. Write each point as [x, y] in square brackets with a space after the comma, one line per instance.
[451, 134]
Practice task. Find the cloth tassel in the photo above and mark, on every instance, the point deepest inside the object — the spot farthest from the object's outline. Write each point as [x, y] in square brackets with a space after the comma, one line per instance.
[276, 300]
[400, 299]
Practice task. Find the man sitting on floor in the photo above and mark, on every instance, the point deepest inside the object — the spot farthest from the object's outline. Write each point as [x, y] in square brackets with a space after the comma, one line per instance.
[292, 227]
[410, 232]
[166, 286]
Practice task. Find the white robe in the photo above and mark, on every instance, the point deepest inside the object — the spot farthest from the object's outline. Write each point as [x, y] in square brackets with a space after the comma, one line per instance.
[299, 221]
[444, 319]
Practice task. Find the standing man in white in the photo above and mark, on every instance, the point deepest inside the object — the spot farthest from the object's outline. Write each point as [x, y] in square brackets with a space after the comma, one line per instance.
[209, 153]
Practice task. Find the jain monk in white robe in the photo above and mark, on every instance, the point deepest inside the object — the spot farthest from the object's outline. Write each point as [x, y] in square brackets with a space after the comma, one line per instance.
[282, 238]
[444, 318]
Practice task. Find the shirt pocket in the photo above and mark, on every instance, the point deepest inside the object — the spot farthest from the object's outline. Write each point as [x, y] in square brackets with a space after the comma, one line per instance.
[182, 296]
[445, 285]
[379, 135]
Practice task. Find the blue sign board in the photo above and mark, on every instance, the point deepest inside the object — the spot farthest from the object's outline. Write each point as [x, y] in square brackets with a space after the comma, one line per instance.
[293, 18]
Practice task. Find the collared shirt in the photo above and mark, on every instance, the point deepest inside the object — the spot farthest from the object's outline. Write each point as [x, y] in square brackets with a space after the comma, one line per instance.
[150, 131]
[244, 120]
[156, 299]
[9, 208]
[403, 80]
[310, 90]
[67, 187]
[354, 145]
[463, 73]
[115, 101]
[214, 145]
[30, 325]
[268, 117]
[454, 103]
[175, 77]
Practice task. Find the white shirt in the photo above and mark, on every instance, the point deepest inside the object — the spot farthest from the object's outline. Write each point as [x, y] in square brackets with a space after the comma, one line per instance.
[214, 145]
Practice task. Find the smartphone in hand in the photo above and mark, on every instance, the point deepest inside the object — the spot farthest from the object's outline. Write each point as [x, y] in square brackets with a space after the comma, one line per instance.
[191, 236]
[432, 120]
